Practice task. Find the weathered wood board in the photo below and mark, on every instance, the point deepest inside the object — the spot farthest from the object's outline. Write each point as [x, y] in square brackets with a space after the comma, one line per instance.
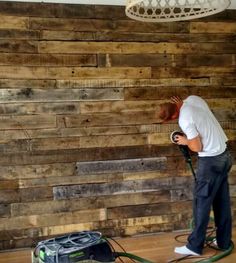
[81, 143]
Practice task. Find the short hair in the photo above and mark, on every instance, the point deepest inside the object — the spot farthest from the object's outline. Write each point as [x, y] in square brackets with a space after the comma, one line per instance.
[167, 110]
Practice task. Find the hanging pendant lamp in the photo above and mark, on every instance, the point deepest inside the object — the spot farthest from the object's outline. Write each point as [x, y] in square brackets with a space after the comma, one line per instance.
[173, 10]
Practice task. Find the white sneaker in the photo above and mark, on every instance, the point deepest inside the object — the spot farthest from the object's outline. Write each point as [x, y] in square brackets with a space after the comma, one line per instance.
[185, 251]
[214, 242]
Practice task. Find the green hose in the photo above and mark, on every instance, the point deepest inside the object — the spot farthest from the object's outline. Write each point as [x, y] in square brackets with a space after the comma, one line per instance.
[217, 257]
[132, 256]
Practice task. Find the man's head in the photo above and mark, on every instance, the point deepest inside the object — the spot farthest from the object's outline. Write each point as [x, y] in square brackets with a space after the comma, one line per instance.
[168, 111]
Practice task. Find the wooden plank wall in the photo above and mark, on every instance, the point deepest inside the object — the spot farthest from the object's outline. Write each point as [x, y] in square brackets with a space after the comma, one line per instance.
[81, 145]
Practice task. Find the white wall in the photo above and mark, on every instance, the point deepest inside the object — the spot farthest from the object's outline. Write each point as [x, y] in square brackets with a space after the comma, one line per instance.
[98, 2]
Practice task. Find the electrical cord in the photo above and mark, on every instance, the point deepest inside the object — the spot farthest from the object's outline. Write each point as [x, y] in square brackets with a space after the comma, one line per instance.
[113, 249]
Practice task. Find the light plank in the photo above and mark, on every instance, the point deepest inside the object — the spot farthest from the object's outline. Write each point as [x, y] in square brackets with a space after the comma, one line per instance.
[132, 83]
[55, 95]
[14, 22]
[36, 171]
[135, 47]
[34, 221]
[113, 141]
[73, 72]
[34, 107]
[111, 119]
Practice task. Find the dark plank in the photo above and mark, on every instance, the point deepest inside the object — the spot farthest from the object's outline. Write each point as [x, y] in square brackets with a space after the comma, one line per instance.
[48, 59]
[26, 46]
[128, 165]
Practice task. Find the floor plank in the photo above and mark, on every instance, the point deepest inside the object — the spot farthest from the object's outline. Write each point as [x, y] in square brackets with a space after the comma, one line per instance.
[158, 248]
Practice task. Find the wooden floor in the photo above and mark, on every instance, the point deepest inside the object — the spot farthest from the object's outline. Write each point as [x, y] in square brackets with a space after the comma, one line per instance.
[157, 248]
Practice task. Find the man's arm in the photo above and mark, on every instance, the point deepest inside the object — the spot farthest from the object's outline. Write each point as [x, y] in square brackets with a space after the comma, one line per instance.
[194, 144]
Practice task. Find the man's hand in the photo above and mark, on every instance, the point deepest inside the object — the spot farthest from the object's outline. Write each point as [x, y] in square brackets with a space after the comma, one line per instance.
[181, 140]
[194, 144]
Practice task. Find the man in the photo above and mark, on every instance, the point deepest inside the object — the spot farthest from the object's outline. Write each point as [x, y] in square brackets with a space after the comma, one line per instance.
[203, 134]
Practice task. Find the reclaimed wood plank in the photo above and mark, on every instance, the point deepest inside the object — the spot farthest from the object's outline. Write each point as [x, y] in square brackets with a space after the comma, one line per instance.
[61, 10]
[9, 196]
[144, 210]
[192, 72]
[27, 83]
[118, 106]
[117, 83]
[45, 144]
[54, 95]
[148, 105]
[31, 108]
[159, 138]
[128, 165]
[57, 206]
[20, 172]
[5, 210]
[85, 154]
[19, 34]
[60, 132]
[18, 46]
[113, 141]
[114, 83]
[7, 135]
[160, 93]
[55, 143]
[156, 60]
[36, 194]
[50, 180]
[70, 24]
[212, 27]
[134, 47]
[223, 81]
[13, 22]
[25, 122]
[131, 36]
[44, 220]
[15, 72]
[70, 180]
[110, 119]
[134, 60]
[25, 59]
[78, 191]
[9, 184]
[217, 60]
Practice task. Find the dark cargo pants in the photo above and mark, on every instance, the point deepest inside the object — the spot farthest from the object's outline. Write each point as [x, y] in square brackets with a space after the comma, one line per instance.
[211, 189]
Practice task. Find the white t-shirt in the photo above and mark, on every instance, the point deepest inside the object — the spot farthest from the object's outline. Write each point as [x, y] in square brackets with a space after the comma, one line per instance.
[195, 119]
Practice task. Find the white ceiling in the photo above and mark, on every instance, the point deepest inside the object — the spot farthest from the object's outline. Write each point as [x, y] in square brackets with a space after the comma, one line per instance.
[98, 2]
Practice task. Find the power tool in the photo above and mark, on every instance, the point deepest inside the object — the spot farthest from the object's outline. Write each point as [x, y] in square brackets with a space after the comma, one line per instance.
[184, 149]
[79, 247]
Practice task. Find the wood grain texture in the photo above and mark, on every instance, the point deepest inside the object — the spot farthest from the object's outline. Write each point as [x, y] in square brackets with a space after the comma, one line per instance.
[81, 143]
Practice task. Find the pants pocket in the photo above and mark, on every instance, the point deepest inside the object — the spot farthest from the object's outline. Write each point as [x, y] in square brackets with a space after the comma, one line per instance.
[202, 188]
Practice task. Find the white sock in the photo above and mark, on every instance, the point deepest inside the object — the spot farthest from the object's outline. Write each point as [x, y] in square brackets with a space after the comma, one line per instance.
[185, 251]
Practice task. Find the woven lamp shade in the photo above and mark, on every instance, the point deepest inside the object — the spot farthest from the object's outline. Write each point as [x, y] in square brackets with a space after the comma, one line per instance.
[173, 10]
